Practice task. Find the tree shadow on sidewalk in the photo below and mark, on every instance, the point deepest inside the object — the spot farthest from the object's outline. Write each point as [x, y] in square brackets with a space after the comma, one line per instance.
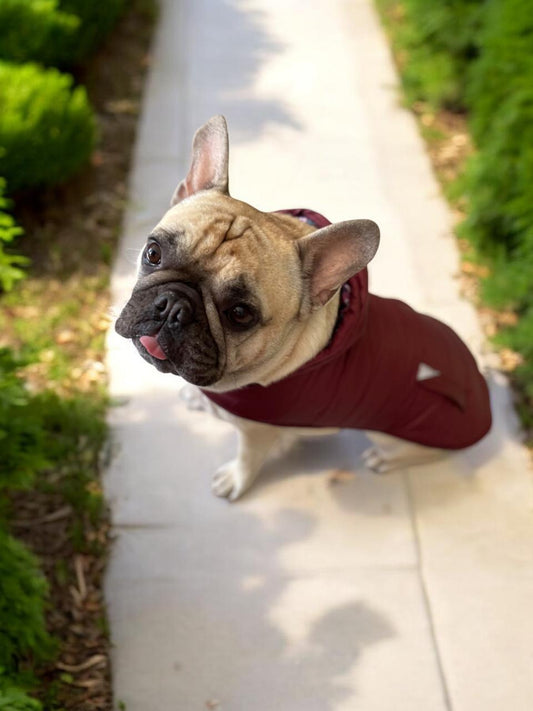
[225, 80]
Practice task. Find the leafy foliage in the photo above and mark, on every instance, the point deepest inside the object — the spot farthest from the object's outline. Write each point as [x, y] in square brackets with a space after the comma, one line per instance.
[96, 20]
[74, 431]
[10, 264]
[47, 132]
[476, 56]
[440, 40]
[36, 31]
[22, 594]
[499, 182]
[21, 435]
[13, 698]
[47, 128]
[41, 430]
[59, 33]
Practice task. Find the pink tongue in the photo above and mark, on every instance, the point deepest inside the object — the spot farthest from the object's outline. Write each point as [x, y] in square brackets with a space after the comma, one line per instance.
[153, 347]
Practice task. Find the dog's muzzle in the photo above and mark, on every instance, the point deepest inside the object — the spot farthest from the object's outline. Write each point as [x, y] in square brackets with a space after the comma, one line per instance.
[168, 324]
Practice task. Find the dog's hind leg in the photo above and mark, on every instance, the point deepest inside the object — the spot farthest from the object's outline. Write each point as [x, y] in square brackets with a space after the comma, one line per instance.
[390, 453]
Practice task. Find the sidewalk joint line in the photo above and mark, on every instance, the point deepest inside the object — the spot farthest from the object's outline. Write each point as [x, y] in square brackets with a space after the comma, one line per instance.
[425, 594]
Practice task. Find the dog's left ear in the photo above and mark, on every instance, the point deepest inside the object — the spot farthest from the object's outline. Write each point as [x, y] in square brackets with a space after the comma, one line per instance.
[333, 254]
[209, 166]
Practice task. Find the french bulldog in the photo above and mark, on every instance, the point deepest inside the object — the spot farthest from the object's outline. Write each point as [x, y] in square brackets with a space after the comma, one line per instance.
[269, 315]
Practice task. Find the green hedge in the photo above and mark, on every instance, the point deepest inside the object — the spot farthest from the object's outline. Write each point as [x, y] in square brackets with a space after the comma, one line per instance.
[441, 39]
[47, 127]
[59, 33]
[500, 97]
[36, 31]
[499, 180]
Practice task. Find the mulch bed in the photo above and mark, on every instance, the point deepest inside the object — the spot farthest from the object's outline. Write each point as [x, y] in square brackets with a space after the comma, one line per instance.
[80, 677]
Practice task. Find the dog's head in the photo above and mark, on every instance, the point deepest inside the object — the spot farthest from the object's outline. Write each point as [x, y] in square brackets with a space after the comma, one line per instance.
[227, 295]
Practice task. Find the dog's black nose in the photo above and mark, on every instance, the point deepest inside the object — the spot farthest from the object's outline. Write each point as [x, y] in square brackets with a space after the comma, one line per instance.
[174, 308]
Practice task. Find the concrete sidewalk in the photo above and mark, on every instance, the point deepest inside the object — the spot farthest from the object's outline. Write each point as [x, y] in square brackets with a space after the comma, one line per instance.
[412, 591]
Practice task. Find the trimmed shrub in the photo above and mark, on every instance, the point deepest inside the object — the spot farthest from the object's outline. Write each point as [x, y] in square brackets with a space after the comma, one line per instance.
[60, 33]
[23, 591]
[47, 127]
[10, 264]
[36, 31]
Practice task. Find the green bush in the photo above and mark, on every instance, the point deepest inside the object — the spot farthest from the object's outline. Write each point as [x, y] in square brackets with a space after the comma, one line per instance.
[13, 698]
[96, 21]
[498, 182]
[60, 33]
[36, 31]
[10, 264]
[440, 40]
[23, 591]
[47, 127]
[505, 65]
[500, 97]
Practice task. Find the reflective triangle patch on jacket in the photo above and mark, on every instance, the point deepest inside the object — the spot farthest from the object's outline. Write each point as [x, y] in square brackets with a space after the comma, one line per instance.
[425, 372]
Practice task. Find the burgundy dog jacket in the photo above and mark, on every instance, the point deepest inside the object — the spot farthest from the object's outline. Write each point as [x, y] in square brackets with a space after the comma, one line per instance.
[387, 368]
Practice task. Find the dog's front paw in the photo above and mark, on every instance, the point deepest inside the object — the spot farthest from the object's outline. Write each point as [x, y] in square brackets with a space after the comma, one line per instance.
[230, 481]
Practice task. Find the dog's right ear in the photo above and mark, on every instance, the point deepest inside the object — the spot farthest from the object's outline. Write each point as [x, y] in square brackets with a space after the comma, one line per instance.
[209, 165]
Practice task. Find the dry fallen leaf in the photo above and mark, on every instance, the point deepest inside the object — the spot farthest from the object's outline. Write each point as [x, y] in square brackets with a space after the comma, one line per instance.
[478, 270]
[340, 476]
[94, 661]
[65, 336]
[510, 360]
[123, 106]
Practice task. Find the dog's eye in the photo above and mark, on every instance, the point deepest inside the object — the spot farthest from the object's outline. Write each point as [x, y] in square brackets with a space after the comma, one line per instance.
[241, 317]
[152, 254]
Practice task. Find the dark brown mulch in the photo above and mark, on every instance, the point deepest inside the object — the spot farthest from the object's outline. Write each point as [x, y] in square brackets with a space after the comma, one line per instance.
[71, 233]
[80, 677]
